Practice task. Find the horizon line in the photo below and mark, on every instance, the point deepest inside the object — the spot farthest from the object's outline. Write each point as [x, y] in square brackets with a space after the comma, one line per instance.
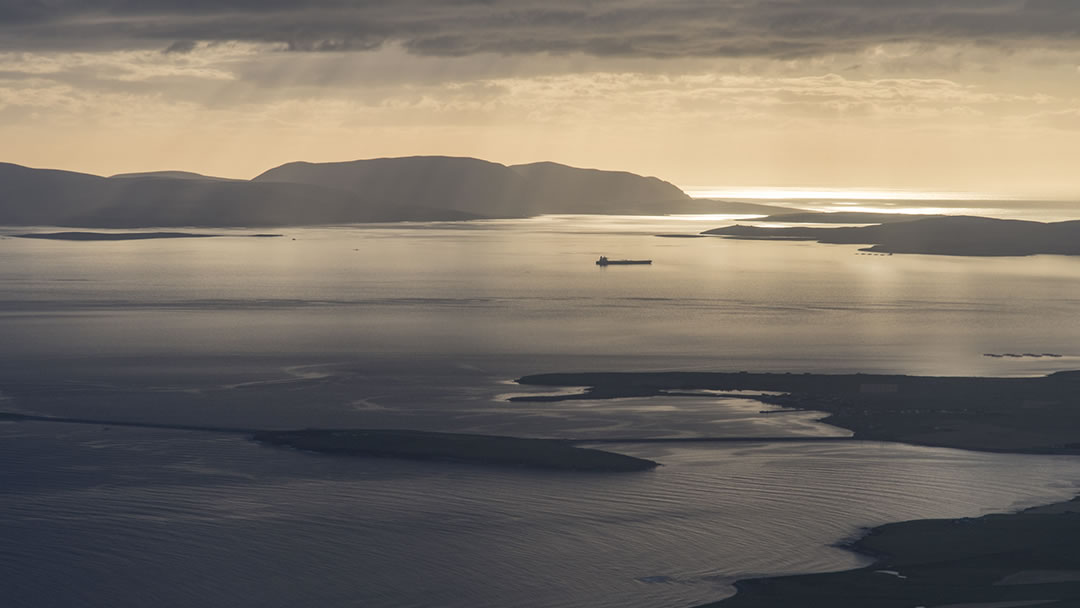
[856, 193]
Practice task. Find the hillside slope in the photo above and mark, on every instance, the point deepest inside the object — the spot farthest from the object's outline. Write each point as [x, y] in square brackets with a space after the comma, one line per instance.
[62, 198]
[486, 188]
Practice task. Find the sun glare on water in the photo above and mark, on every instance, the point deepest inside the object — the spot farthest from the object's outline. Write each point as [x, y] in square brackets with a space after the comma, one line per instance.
[867, 200]
[849, 194]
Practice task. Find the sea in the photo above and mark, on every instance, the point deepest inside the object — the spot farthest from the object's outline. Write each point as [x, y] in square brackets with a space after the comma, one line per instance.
[426, 326]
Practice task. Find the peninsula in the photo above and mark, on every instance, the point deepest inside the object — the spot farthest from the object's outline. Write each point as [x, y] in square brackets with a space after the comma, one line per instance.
[997, 561]
[1020, 415]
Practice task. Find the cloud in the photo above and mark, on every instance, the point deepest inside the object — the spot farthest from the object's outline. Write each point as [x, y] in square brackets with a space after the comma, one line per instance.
[1067, 120]
[181, 46]
[621, 101]
[781, 29]
[124, 66]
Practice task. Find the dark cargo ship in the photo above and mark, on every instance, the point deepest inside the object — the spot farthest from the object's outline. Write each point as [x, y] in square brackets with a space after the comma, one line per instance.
[604, 261]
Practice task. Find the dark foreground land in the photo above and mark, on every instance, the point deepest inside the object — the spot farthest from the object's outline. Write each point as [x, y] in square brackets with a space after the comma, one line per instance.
[997, 561]
[1024, 557]
[479, 449]
[1021, 415]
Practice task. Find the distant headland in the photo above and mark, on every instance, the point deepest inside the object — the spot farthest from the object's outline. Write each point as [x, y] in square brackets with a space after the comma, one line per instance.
[417, 188]
[935, 235]
[1021, 559]
[414, 188]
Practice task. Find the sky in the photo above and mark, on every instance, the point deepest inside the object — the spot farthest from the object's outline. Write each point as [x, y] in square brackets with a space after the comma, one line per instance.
[945, 95]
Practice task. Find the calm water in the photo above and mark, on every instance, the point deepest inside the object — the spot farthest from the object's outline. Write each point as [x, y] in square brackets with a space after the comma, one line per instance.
[154, 518]
[423, 326]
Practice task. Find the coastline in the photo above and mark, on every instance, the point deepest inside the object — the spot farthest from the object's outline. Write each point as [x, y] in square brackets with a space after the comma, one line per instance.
[967, 562]
[1039, 415]
[1024, 557]
[768, 590]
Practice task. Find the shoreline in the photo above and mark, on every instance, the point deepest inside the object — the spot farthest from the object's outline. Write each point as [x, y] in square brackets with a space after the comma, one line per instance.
[934, 563]
[1035, 415]
[1021, 556]
[909, 548]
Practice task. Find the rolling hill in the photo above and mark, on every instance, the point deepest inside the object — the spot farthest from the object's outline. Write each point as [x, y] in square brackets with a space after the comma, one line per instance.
[423, 188]
[486, 188]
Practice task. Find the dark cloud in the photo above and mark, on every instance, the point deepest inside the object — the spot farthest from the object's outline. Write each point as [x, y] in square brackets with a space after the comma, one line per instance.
[634, 28]
[180, 46]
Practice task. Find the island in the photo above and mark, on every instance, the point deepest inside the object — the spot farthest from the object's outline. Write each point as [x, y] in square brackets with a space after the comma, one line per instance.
[936, 235]
[125, 236]
[549, 454]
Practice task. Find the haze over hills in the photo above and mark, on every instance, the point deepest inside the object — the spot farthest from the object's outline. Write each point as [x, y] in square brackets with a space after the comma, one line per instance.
[944, 235]
[426, 188]
[173, 175]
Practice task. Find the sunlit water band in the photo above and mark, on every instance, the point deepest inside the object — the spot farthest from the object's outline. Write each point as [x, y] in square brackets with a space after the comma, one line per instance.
[850, 194]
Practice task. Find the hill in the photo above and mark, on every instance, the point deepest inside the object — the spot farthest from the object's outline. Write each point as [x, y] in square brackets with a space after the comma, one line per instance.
[420, 188]
[556, 188]
[31, 197]
[464, 184]
[173, 175]
[486, 188]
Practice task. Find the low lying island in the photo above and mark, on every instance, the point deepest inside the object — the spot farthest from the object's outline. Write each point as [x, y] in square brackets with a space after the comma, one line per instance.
[548, 454]
[492, 450]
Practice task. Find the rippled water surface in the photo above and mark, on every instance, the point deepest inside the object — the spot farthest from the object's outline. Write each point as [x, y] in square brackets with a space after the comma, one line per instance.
[424, 326]
[166, 518]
